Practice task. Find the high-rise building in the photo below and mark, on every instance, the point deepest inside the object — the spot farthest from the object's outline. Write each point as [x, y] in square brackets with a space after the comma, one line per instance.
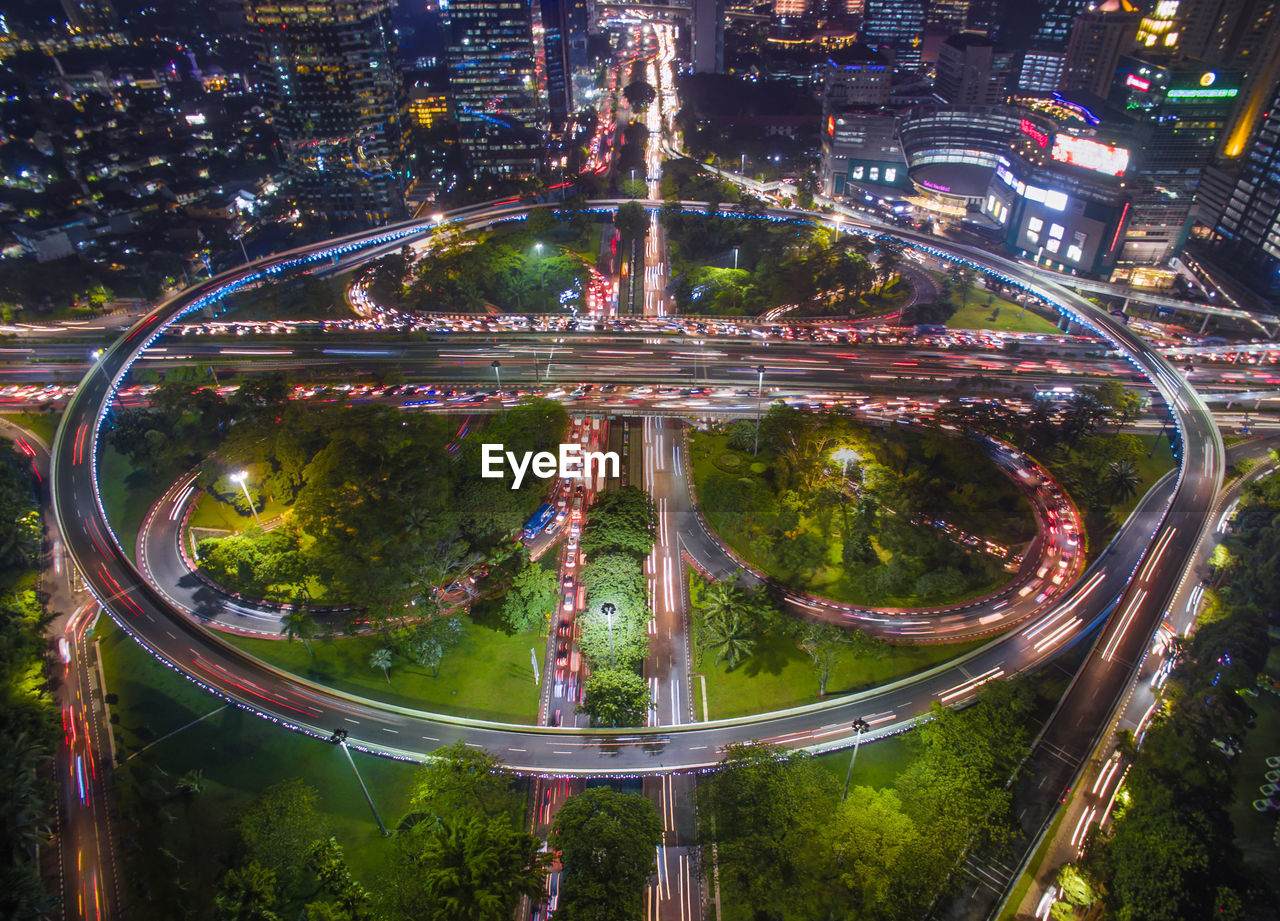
[1181, 108]
[708, 36]
[1249, 228]
[555, 47]
[1056, 21]
[948, 15]
[91, 15]
[1041, 70]
[856, 81]
[897, 25]
[1100, 35]
[490, 58]
[332, 83]
[972, 71]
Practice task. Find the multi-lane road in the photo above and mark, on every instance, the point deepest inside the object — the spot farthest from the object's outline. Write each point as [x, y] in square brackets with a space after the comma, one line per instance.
[1166, 524]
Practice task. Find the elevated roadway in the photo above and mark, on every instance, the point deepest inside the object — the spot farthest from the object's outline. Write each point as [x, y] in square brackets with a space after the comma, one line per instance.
[1131, 576]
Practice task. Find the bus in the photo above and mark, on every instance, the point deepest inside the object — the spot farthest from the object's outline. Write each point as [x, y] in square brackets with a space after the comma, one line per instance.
[539, 521]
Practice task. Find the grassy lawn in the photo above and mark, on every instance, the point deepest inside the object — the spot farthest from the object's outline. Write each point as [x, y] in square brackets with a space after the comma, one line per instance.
[992, 508]
[43, 424]
[127, 494]
[1151, 469]
[1255, 831]
[212, 512]
[781, 675]
[240, 755]
[486, 676]
[977, 315]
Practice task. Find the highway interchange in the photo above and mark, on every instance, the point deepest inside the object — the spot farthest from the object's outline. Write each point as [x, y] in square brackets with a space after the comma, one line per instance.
[1168, 523]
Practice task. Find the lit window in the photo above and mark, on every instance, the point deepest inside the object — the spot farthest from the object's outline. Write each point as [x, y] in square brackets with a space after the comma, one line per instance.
[1035, 224]
[1056, 230]
[890, 174]
[1075, 253]
[875, 174]
[1052, 245]
[857, 172]
[1033, 236]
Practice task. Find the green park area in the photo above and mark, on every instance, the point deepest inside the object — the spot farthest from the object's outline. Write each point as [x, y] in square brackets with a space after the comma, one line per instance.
[218, 807]
[181, 782]
[738, 266]
[984, 310]
[539, 265]
[849, 511]
[774, 664]
[485, 674]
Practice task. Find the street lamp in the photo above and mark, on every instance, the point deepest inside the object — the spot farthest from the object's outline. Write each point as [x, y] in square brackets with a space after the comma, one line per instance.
[759, 394]
[859, 726]
[340, 739]
[497, 373]
[735, 258]
[844, 455]
[537, 248]
[607, 610]
[239, 477]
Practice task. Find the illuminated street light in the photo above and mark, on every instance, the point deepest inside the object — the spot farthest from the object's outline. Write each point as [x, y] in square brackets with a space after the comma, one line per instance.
[607, 610]
[844, 455]
[340, 739]
[239, 477]
[859, 726]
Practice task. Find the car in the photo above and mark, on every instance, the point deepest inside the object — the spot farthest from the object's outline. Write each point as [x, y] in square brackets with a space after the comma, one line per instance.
[555, 719]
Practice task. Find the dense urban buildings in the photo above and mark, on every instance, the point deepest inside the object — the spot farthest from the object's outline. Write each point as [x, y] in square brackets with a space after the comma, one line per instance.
[1099, 36]
[330, 77]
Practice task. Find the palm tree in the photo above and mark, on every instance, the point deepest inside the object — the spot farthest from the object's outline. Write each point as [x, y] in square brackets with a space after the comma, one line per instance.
[478, 870]
[299, 624]
[381, 658]
[719, 599]
[730, 636]
[1120, 481]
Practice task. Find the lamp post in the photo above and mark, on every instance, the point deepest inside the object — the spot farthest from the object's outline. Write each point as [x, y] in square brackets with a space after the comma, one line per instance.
[759, 394]
[497, 373]
[340, 739]
[607, 610]
[844, 455]
[735, 258]
[239, 477]
[243, 251]
[537, 248]
[859, 726]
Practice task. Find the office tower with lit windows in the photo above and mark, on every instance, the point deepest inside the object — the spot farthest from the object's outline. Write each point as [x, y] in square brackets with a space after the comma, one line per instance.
[331, 80]
[973, 71]
[897, 25]
[97, 16]
[1248, 233]
[490, 58]
[948, 15]
[1098, 38]
[1181, 107]
[1056, 21]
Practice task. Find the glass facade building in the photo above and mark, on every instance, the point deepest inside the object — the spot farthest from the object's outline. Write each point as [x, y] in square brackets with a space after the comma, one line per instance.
[332, 84]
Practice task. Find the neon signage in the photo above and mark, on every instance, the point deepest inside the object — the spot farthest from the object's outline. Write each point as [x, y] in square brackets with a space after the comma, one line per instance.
[1030, 130]
[1138, 83]
[1101, 158]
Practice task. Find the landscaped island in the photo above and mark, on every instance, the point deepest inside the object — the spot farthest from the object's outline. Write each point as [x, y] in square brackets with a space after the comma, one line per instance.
[861, 514]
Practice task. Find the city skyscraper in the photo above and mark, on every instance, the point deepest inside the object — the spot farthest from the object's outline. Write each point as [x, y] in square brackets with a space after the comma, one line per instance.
[332, 85]
[972, 71]
[897, 25]
[1181, 108]
[1249, 229]
[1098, 38]
[490, 59]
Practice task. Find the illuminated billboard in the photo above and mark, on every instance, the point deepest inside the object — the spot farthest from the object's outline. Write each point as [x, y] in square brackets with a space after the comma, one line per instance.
[1102, 158]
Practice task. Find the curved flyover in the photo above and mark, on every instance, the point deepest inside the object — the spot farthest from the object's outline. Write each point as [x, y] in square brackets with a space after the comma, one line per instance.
[1132, 576]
